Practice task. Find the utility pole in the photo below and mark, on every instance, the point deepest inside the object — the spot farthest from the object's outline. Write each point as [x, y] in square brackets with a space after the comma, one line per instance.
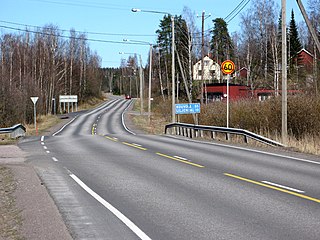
[203, 17]
[173, 109]
[202, 56]
[149, 97]
[284, 74]
[306, 19]
[141, 86]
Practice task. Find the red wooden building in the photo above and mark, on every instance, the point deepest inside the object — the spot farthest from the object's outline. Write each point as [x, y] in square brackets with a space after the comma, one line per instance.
[218, 92]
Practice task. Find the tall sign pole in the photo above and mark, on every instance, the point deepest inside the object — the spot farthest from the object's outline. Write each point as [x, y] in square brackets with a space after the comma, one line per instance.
[284, 74]
[141, 86]
[228, 67]
[173, 107]
[34, 100]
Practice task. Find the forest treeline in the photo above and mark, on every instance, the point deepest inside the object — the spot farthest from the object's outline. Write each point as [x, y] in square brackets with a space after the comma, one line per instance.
[44, 63]
[256, 47]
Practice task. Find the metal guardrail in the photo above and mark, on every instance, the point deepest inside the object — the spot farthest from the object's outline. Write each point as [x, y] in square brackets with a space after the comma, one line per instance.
[15, 131]
[190, 130]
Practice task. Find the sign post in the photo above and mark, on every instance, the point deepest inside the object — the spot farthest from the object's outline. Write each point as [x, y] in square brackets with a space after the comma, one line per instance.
[34, 100]
[228, 67]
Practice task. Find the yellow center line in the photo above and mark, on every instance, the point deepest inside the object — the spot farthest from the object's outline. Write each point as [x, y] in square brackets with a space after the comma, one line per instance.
[112, 139]
[135, 146]
[180, 160]
[273, 187]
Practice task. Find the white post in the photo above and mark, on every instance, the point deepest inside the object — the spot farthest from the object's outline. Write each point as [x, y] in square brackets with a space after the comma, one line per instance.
[228, 79]
[34, 100]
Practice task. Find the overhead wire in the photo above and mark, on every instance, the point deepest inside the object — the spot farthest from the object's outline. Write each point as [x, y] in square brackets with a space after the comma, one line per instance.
[71, 37]
[232, 15]
[87, 32]
[228, 18]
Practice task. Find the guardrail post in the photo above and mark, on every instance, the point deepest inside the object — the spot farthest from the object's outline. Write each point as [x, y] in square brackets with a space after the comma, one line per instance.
[213, 135]
[245, 138]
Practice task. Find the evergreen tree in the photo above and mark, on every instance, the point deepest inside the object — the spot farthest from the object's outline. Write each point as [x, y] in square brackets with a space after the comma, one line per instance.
[221, 43]
[164, 42]
[294, 41]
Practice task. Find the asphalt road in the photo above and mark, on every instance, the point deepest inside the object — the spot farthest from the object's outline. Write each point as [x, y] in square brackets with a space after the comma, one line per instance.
[110, 183]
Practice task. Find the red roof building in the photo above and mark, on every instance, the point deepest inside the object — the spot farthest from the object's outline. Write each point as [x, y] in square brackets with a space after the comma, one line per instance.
[218, 92]
[306, 59]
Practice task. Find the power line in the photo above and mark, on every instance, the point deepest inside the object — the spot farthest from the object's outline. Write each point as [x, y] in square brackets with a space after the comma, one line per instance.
[70, 37]
[93, 33]
[235, 9]
[232, 15]
[84, 4]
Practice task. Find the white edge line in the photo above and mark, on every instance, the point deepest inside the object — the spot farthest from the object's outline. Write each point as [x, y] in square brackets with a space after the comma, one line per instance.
[282, 186]
[250, 150]
[54, 159]
[112, 209]
[63, 127]
[122, 118]
[182, 158]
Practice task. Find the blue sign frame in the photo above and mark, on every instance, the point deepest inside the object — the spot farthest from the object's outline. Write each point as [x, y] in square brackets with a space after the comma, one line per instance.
[187, 108]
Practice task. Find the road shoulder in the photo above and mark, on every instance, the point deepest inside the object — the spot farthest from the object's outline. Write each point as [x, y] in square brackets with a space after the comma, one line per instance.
[40, 218]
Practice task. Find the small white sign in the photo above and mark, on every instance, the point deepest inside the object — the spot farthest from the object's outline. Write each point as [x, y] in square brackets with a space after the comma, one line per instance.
[68, 98]
[34, 99]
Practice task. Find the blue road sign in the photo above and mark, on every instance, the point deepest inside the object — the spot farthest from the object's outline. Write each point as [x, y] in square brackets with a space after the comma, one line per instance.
[187, 108]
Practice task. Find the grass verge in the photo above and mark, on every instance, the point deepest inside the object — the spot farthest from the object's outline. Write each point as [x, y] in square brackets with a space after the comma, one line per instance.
[259, 117]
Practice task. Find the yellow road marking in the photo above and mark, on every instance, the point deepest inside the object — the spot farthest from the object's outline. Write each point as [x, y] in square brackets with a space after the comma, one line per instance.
[135, 146]
[112, 139]
[273, 187]
[180, 160]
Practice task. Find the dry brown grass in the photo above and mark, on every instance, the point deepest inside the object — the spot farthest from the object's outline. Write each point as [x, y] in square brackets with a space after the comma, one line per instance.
[307, 144]
[156, 125]
[263, 118]
[91, 103]
[44, 122]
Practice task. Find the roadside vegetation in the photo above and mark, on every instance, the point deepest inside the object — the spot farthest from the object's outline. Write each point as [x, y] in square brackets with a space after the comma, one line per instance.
[263, 118]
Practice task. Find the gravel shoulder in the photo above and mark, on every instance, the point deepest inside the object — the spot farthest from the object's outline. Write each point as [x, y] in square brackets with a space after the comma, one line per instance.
[27, 211]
